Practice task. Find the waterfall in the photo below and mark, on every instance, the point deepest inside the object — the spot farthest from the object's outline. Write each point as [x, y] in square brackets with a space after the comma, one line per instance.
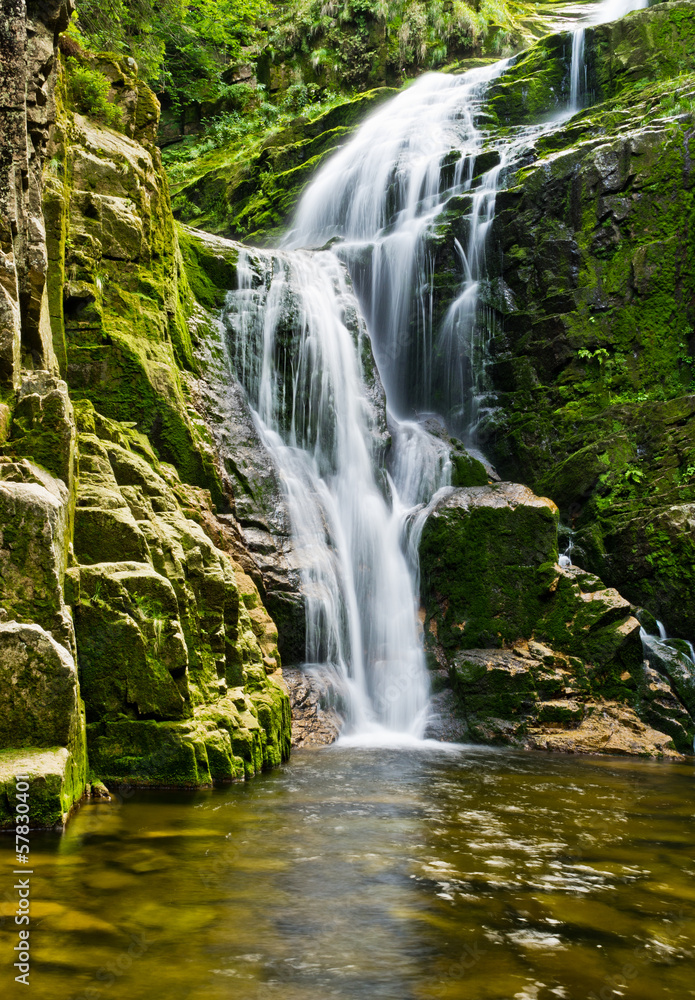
[357, 268]
[295, 342]
[577, 71]
[609, 10]
[381, 195]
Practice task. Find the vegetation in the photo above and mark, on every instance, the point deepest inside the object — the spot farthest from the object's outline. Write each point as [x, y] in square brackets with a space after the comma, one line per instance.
[182, 49]
[89, 93]
[220, 67]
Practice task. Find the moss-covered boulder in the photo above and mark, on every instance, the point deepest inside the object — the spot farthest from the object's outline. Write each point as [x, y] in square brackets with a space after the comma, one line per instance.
[41, 711]
[533, 649]
[487, 556]
[55, 786]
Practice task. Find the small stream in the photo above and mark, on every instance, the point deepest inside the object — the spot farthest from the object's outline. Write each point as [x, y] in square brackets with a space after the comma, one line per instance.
[458, 873]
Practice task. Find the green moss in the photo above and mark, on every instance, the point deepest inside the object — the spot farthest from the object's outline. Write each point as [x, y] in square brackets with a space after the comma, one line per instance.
[245, 191]
[467, 471]
[486, 571]
[210, 268]
[56, 784]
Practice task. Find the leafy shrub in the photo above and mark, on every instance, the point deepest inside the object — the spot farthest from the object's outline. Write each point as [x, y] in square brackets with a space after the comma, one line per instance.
[89, 93]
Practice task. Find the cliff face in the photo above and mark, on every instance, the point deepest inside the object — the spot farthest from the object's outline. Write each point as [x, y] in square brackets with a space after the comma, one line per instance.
[28, 34]
[593, 286]
[128, 595]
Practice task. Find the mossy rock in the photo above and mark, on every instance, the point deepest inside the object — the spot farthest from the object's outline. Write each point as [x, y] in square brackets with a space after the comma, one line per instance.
[485, 554]
[56, 784]
[253, 198]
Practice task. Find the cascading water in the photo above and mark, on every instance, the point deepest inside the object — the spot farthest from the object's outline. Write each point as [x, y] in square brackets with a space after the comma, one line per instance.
[609, 10]
[297, 343]
[381, 196]
[296, 348]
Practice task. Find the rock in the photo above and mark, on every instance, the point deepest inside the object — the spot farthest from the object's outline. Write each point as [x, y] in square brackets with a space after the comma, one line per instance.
[27, 46]
[233, 738]
[675, 665]
[653, 557]
[164, 638]
[98, 790]
[39, 694]
[43, 427]
[533, 697]
[487, 555]
[34, 542]
[608, 728]
[38, 689]
[55, 785]
[316, 720]
[489, 575]
[92, 289]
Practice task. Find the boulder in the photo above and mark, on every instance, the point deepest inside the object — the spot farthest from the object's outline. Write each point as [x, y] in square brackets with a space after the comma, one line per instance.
[42, 726]
[535, 697]
[56, 784]
[529, 645]
[487, 556]
[34, 544]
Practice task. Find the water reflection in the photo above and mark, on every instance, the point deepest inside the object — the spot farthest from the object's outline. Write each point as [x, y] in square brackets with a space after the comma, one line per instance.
[357, 873]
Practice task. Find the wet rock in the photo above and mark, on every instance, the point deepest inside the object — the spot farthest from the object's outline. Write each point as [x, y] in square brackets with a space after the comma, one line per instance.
[533, 697]
[558, 641]
[34, 543]
[486, 558]
[55, 785]
[316, 720]
[41, 711]
[674, 664]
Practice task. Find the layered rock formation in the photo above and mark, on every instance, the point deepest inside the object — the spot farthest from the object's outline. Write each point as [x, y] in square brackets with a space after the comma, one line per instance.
[541, 655]
[134, 644]
[593, 289]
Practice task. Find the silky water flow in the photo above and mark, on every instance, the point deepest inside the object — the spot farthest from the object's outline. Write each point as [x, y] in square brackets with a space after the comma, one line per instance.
[352, 283]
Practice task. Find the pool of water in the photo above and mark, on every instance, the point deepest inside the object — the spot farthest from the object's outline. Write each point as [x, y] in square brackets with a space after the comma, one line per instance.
[459, 873]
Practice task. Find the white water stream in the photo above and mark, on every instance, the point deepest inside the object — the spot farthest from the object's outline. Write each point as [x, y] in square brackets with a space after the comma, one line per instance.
[609, 10]
[298, 332]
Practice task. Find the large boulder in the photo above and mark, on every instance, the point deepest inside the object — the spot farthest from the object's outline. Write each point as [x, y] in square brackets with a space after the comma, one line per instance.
[42, 727]
[486, 556]
[538, 654]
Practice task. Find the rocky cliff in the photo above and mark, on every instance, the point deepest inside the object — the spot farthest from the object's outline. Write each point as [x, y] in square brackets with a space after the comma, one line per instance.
[134, 643]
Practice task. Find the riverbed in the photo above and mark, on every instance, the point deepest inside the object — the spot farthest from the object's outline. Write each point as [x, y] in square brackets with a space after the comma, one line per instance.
[458, 873]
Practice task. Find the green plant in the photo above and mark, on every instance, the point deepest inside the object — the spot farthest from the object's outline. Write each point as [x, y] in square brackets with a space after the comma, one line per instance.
[600, 354]
[89, 91]
[633, 475]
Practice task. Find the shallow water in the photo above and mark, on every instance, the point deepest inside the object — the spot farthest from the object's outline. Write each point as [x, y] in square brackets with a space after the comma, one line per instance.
[460, 874]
